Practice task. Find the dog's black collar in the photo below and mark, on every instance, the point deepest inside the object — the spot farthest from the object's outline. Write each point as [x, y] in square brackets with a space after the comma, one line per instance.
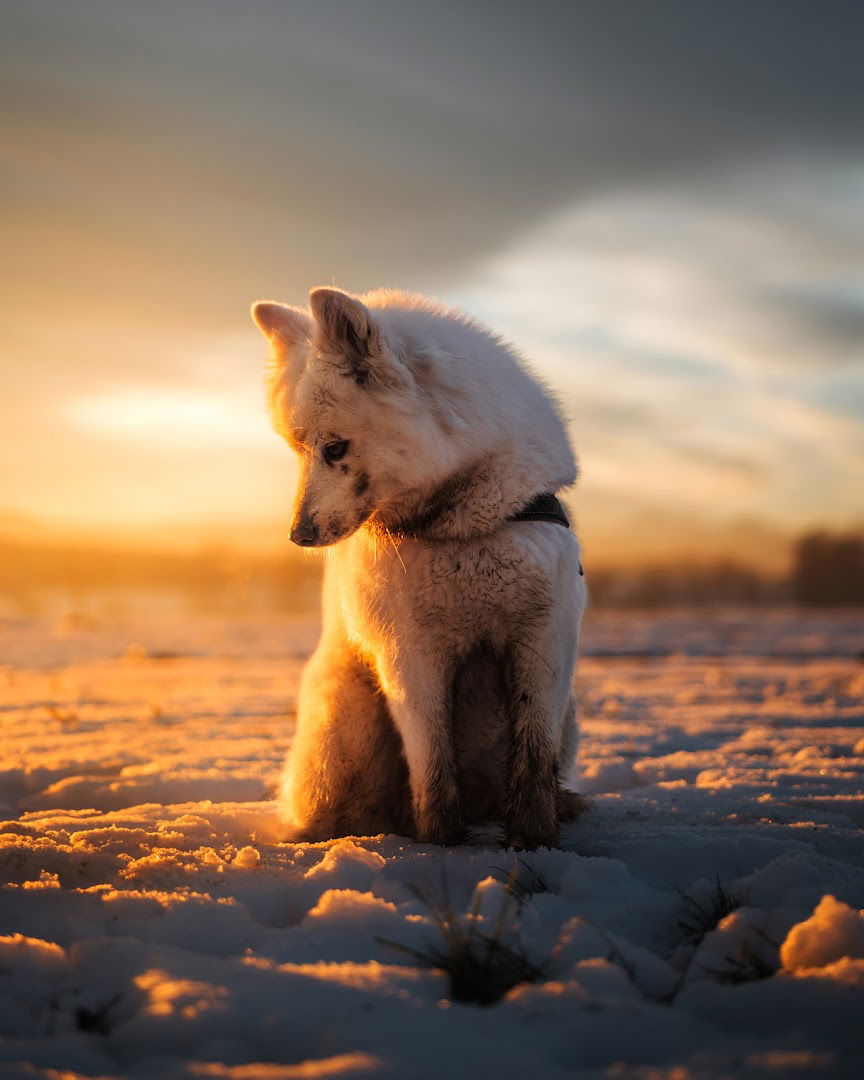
[545, 507]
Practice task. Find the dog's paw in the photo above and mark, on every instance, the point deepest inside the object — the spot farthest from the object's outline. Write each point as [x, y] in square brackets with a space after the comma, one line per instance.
[444, 827]
[530, 839]
[570, 805]
[531, 820]
[533, 825]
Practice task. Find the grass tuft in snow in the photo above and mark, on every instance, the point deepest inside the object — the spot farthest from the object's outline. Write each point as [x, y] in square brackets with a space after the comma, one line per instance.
[701, 919]
[481, 968]
[522, 881]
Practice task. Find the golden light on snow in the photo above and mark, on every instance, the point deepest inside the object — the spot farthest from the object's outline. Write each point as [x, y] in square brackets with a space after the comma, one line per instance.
[834, 932]
[167, 994]
[152, 896]
[344, 1065]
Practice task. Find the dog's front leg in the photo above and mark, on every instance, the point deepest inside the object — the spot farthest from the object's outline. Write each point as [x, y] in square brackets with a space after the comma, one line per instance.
[538, 699]
[418, 696]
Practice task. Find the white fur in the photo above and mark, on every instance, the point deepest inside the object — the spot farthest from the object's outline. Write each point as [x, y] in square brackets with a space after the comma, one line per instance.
[450, 632]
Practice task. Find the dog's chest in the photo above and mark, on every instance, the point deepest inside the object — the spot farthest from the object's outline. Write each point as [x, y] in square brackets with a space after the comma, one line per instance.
[461, 591]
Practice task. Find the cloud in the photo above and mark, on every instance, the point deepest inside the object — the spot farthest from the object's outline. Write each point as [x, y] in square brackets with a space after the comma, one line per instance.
[670, 321]
[170, 159]
[740, 272]
[832, 320]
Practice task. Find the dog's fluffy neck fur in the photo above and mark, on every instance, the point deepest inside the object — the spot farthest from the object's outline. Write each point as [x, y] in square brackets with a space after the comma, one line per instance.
[525, 449]
[472, 502]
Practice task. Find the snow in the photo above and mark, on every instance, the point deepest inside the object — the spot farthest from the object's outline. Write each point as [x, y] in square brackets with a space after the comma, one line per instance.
[704, 916]
[833, 932]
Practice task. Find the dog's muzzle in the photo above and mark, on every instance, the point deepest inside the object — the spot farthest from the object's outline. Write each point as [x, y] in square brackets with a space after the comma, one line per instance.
[305, 533]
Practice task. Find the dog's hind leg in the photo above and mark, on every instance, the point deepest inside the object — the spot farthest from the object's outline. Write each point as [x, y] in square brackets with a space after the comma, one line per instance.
[345, 774]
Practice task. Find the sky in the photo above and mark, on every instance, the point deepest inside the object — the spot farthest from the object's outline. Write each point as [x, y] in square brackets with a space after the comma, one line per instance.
[661, 203]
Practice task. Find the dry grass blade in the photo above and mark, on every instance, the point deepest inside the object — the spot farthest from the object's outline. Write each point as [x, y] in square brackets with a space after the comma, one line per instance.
[748, 965]
[522, 886]
[701, 919]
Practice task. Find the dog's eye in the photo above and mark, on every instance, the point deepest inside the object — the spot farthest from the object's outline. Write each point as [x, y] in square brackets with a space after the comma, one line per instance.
[335, 451]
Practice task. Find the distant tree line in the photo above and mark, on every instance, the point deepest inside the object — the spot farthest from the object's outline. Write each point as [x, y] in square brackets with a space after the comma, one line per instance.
[827, 570]
[51, 577]
[661, 585]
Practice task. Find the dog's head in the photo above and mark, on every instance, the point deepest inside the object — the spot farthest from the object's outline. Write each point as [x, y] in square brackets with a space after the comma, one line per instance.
[347, 406]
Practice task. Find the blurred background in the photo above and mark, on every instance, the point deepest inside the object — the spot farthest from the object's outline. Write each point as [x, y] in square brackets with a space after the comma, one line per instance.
[661, 203]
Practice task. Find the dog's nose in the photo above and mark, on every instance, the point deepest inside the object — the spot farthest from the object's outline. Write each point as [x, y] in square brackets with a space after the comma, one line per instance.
[305, 533]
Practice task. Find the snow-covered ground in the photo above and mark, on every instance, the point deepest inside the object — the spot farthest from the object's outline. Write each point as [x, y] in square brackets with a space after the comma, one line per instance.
[702, 917]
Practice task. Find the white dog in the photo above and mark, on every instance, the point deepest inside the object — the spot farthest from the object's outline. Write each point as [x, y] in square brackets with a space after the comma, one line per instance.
[440, 693]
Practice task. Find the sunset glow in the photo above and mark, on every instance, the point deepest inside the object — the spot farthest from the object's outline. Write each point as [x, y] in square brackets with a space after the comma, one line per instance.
[172, 417]
[700, 322]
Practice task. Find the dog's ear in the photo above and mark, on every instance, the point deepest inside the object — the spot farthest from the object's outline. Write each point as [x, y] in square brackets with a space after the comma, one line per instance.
[347, 326]
[282, 323]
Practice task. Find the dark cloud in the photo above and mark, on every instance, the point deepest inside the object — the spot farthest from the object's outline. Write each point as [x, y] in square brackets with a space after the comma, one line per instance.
[169, 159]
[833, 322]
